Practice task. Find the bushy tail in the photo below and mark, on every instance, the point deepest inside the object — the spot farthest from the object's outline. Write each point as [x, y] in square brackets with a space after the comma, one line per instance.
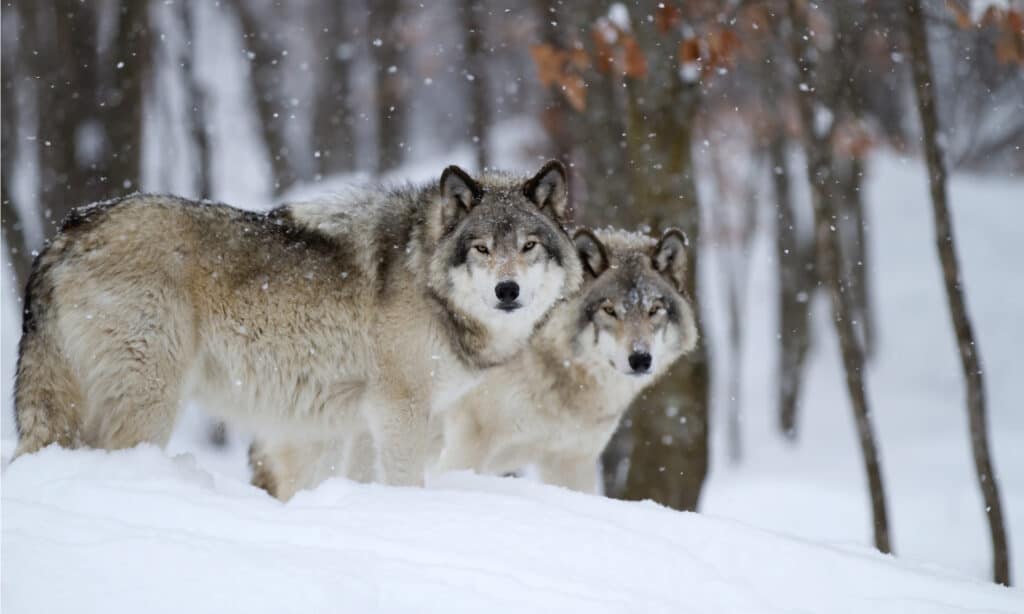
[47, 396]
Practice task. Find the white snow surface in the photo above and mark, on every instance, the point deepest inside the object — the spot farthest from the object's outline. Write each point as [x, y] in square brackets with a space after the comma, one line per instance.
[151, 531]
[139, 531]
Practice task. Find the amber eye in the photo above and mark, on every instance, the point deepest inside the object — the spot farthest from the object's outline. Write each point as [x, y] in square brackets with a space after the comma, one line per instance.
[529, 245]
[482, 249]
[656, 310]
[609, 310]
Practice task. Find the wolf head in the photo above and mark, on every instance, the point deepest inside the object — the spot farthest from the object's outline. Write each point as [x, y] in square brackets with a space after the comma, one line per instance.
[633, 314]
[502, 258]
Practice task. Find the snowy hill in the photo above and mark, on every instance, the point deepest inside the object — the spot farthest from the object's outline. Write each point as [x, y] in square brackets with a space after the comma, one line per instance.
[139, 531]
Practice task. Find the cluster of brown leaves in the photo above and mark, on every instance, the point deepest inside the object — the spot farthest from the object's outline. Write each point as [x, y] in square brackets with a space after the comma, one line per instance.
[616, 52]
[852, 139]
[563, 68]
[1007, 23]
[714, 49]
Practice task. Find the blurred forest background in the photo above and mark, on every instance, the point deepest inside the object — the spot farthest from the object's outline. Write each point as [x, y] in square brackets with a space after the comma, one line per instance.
[718, 117]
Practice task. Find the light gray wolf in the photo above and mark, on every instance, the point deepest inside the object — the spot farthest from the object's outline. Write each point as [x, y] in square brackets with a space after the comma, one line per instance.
[556, 404]
[372, 307]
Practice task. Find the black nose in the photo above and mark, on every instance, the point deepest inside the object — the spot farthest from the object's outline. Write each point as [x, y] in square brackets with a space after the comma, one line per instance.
[507, 291]
[640, 362]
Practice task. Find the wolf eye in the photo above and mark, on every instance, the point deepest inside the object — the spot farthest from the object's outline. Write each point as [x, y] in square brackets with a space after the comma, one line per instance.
[482, 249]
[656, 310]
[609, 310]
[529, 245]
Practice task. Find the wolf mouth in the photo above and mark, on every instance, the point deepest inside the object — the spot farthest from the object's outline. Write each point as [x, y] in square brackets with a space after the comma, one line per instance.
[509, 307]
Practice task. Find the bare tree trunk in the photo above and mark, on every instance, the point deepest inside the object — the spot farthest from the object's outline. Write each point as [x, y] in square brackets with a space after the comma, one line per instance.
[476, 67]
[124, 103]
[63, 40]
[853, 202]
[794, 279]
[831, 267]
[970, 354]
[197, 101]
[333, 131]
[388, 51]
[20, 258]
[670, 422]
[267, 92]
[555, 115]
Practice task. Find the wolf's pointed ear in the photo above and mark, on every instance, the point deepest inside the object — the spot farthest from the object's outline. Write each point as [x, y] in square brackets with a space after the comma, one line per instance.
[669, 257]
[591, 251]
[458, 187]
[459, 194]
[549, 190]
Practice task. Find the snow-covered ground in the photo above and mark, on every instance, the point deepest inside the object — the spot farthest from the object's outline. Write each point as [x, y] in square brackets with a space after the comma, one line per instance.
[137, 531]
[785, 531]
[817, 489]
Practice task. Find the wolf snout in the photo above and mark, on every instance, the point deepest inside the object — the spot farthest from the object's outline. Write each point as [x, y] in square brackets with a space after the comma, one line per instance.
[507, 293]
[640, 362]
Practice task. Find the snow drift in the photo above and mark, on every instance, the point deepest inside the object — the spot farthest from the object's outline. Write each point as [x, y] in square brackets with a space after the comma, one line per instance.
[139, 531]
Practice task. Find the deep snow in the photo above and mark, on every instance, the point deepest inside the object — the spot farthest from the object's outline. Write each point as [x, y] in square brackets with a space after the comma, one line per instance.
[138, 531]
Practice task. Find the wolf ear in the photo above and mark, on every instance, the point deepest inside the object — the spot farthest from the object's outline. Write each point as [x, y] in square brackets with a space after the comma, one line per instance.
[591, 251]
[459, 194]
[669, 257]
[549, 189]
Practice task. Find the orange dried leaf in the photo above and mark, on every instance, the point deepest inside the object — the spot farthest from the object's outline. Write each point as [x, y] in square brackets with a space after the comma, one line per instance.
[1014, 21]
[579, 59]
[963, 20]
[575, 91]
[549, 62]
[635, 64]
[991, 16]
[728, 44]
[1008, 50]
[668, 17]
[689, 51]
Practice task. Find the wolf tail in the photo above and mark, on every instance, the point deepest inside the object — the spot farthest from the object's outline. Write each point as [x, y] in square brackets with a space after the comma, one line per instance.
[47, 396]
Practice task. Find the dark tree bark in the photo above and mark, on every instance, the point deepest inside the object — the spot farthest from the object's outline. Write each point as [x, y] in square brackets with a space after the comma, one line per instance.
[795, 274]
[264, 43]
[970, 354]
[90, 107]
[848, 170]
[64, 37]
[18, 251]
[476, 67]
[197, 101]
[333, 130]
[388, 50]
[669, 422]
[849, 178]
[555, 113]
[124, 98]
[830, 261]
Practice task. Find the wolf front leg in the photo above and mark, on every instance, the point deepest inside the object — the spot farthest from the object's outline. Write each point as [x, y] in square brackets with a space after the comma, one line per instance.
[575, 472]
[465, 442]
[401, 434]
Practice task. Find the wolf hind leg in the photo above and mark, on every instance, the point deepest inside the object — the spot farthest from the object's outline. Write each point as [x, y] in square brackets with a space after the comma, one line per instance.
[48, 398]
[135, 372]
[361, 458]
